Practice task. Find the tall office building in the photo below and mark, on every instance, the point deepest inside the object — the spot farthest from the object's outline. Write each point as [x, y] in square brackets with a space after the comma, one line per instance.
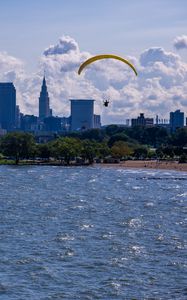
[18, 117]
[82, 114]
[176, 120]
[44, 109]
[7, 105]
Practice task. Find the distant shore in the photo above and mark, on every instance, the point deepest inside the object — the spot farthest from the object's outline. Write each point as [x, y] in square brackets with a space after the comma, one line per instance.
[139, 164]
[150, 164]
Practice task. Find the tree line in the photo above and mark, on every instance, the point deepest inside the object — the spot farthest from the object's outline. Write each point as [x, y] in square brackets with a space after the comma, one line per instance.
[103, 144]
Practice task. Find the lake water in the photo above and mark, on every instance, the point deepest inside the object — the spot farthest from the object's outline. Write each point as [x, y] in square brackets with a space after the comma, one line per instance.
[92, 233]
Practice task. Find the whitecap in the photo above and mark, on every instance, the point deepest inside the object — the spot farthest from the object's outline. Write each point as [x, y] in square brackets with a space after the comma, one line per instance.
[182, 195]
[136, 187]
[149, 204]
[86, 226]
[69, 252]
[115, 285]
[135, 223]
[92, 180]
[160, 237]
[137, 249]
[108, 235]
[78, 206]
[65, 237]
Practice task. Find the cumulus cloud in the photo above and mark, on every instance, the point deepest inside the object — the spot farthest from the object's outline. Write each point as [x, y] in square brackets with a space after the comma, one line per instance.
[65, 45]
[157, 54]
[180, 42]
[161, 85]
[9, 63]
[12, 70]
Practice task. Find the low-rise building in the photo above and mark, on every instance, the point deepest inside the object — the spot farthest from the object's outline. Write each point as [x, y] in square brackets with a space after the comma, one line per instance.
[97, 121]
[29, 123]
[142, 121]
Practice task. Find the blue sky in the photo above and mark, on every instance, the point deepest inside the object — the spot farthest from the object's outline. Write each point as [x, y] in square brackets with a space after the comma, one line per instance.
[116, 26]
[142, 30]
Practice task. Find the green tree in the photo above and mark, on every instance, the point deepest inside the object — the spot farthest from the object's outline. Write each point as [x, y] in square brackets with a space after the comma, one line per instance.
[183, 158]
[179, 138]
[103, 150]
[113, 129]
[89, 150]
[154, 136]
[92, 149]
[179, 151]
[43, 151]
[18, 145]
[93, 134]
[117, 137]
[66, 148]
[140, 152]
[137, 133]
[121, 149]
[168, 151]
[159, 153]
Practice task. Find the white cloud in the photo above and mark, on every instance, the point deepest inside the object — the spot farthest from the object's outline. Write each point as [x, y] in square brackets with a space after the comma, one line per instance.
[180, 42]
[161, 85]
[8, 62]
[157, 54]
[65, 45]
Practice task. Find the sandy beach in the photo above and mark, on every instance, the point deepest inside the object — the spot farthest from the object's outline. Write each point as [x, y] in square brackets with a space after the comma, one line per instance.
[149, 164]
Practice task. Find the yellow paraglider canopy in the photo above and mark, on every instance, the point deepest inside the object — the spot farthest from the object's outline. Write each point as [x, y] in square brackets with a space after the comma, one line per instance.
[104, 56]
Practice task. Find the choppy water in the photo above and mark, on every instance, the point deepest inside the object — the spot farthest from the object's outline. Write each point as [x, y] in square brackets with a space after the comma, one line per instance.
[92, 233]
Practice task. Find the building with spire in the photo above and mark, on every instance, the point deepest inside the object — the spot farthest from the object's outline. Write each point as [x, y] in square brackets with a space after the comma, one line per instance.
[44, 109]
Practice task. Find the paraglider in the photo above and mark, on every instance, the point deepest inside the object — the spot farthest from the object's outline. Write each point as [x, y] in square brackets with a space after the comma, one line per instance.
[105, 56]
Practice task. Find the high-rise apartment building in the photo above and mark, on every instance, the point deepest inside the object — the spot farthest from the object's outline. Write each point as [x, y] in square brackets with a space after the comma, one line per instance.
[176, 120]
[82, 114]
[7, 105]
[44, 109]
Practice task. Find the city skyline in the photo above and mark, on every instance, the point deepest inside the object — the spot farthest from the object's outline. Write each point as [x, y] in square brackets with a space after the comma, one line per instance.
[81, 112]
[81, 117]
[160, 58]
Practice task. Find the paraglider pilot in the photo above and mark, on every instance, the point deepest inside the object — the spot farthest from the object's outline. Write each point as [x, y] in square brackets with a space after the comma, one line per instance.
[105, 103]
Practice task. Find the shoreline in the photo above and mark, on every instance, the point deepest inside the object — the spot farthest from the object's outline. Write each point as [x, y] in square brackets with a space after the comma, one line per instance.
[138, 164]
[149, 164]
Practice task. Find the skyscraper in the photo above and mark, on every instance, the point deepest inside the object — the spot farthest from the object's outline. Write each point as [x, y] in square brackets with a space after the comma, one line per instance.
[18, 117]
[82, 114]
[44, 110]
[7, 105]
[176, 120]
